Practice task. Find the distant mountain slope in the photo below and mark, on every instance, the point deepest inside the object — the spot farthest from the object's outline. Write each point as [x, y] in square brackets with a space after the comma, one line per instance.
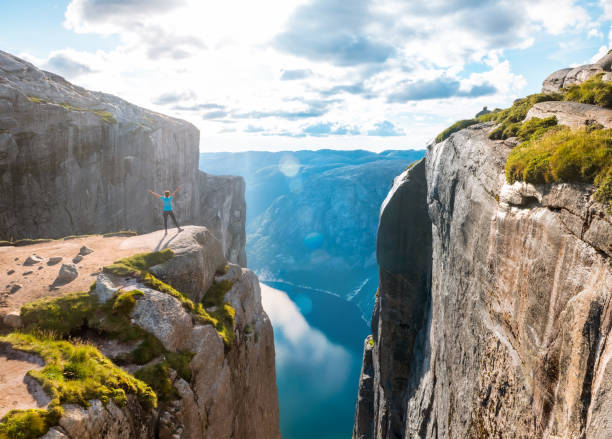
[312, 215]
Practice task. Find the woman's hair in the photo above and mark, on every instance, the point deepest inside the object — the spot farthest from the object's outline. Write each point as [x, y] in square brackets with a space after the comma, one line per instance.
[166, 194]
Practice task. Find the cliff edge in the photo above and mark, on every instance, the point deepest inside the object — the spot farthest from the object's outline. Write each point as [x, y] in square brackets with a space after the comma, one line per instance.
[170, 341]
[73, 162]
[494, 315]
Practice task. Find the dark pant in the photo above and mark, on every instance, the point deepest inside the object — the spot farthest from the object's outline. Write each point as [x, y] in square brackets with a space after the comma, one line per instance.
[169, 213]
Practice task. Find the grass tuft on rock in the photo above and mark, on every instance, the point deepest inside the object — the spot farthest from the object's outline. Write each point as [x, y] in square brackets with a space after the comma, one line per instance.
[125, 301]
[73, 374]
[509, 120]
[563, 155]
[27, 424]
[594, 91]
[223, 312]
[62, 315]
[457, 126]
[139, 265]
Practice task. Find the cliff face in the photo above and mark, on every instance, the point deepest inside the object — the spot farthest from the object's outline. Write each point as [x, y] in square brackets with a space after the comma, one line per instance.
[74, 161]
[226, 387]
[494, 309]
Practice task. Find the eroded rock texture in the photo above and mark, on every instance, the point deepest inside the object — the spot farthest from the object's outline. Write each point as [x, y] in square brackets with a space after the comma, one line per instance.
[507, 332]
[74, 161]
[232, 391]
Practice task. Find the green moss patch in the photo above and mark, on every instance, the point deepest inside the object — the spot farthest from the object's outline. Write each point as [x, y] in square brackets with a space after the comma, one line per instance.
[158, 375]
[138, 266]
[124, 302]
[73, 374]
[103, 114]
[563, 155]
[120, 233]
[510, 120]
[595, 91]
[457, 126]
[224, 313]
[27, 424]
[63, 315]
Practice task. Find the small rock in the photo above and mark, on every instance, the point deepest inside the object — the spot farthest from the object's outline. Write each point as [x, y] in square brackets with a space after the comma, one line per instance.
[11, 271]
[12, 319]
[26, 273]
[14, 288]
[78, 258]
[40, 267]
[16, 259]
[85, 251]
[32, 259]
[105, 289]
[54, 260]
[67, 273]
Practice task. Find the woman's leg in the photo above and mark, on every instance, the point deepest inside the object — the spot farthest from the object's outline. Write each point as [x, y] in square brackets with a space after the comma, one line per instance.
[174, 219]
[166, 221]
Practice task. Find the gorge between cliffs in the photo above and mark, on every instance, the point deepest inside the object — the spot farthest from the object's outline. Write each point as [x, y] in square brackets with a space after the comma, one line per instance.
[492, 316]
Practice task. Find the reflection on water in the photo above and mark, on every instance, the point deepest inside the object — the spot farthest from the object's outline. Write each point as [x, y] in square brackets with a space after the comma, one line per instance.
[318, 340]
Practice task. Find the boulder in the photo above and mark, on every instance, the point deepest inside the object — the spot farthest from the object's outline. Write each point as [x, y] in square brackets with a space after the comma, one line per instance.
[573, 114]
[84, 251]
[67, 273]
[165, 317]
[580, 74]
[198, 255]
[105, 288]
[54, 260]
[554, 82]
[32, 260]
[12, 320]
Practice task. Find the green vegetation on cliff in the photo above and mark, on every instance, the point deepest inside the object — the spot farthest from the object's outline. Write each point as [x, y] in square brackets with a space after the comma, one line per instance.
[103, 114]
[510, 120]
[563, 155]
[224, 312]
[457, 126]
[595, 91]
[510, 123]
[73, 374]
[221, 318]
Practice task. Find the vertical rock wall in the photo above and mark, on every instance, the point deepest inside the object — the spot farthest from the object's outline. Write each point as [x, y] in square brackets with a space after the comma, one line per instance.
[74, 161]
[510, 337]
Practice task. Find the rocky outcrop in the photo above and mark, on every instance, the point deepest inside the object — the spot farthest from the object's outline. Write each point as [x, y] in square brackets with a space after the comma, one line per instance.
[73, 161]
[571, 76]
[572, 114]
[507, 331]
[231, 392]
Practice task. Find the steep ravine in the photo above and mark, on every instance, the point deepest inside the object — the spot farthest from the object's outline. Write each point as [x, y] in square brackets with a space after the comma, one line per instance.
[494, 310]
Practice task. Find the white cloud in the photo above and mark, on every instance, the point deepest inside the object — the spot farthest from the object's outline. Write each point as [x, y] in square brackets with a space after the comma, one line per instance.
[297, 67]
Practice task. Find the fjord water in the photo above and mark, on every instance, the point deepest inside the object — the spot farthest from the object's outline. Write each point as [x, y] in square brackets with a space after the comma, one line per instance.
[312, 218]
[319, 341]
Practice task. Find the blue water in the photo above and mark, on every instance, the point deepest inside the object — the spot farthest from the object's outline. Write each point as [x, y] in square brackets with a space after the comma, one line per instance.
[319, 343]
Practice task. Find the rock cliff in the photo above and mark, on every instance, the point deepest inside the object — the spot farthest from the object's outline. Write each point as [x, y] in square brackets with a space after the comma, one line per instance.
[73, 162]
[179, 318]
[494, 314]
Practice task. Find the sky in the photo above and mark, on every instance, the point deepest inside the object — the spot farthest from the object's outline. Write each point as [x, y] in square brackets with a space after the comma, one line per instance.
[308, 74]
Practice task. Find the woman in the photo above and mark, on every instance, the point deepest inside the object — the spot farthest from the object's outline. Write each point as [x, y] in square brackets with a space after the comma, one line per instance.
[167, 200]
